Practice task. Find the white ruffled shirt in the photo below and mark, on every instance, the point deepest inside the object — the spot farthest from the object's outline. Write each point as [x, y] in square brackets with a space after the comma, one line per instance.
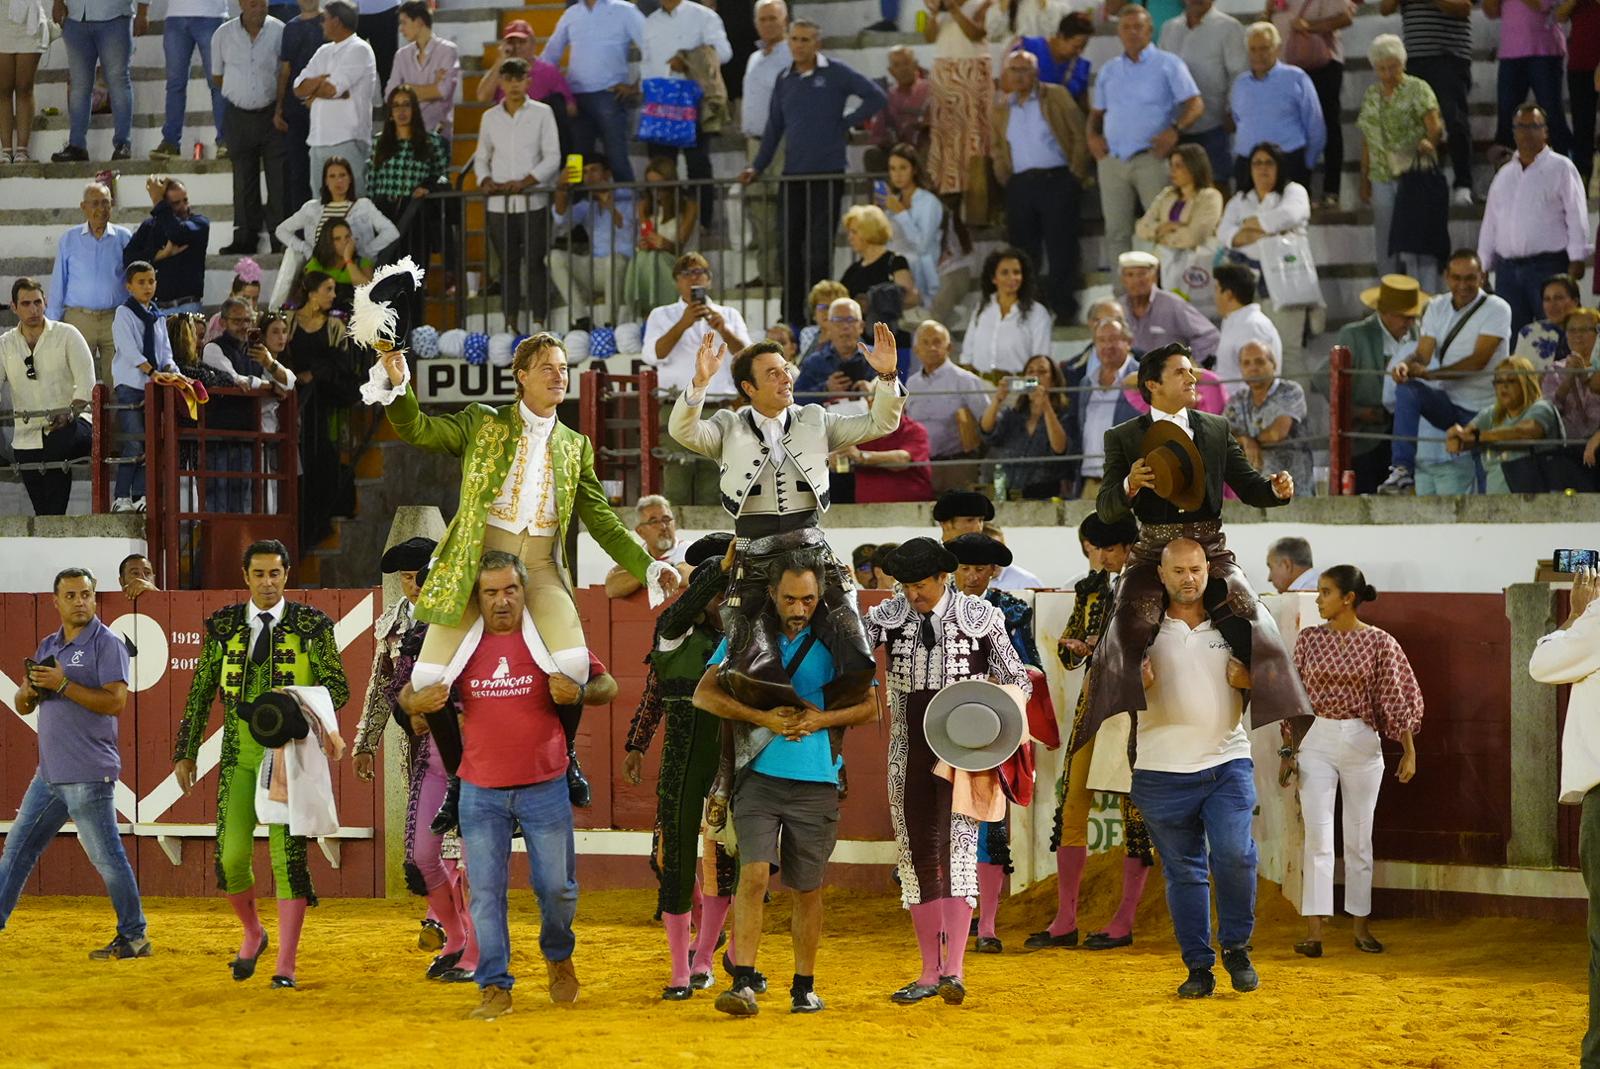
[530, 483]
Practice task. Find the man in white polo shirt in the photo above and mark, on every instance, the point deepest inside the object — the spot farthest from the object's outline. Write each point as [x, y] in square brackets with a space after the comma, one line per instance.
[1193, 778]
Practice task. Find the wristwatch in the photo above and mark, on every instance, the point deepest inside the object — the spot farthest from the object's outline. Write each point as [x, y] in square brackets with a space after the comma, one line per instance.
[1286, 751]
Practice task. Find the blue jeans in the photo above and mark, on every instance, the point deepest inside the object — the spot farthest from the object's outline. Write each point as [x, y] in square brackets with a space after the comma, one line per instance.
[1543, 75]
[545, 813]
[130, 425]
[603, 118]
[1188, 812]
[1414, 402]
[179, 38]
[91, 806]
[1520, 283]
[110, 44]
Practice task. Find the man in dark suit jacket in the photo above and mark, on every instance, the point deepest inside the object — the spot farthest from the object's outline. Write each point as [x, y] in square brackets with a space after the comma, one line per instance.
[1167, 380]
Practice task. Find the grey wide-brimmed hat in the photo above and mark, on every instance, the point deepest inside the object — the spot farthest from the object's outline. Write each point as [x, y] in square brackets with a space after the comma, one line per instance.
[975, 725]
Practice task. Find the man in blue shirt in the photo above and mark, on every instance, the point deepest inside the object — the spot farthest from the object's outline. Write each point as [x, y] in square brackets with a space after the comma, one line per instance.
[175, 238]
[785, 803]
[78, 682]
[608, 216]
[600, 31]
[86, 282]
[1275, 103]
[1142, 102]
[809, 120]
[836, 367]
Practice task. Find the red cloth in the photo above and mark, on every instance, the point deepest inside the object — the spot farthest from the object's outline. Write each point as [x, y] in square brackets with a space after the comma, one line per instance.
[1016, 776]
[1042, 711]
[510, 735]
[877, 486]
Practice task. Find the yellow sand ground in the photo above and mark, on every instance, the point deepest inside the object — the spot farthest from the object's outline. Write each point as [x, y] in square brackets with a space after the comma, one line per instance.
[1479, 994]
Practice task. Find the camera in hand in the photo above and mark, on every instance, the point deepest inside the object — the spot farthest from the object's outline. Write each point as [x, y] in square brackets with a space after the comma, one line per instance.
[697, 294]
[1017, 383]
[1570, 560]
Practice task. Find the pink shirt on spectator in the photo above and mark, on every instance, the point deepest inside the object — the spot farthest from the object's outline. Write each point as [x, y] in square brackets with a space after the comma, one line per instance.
[1213, 397]
[545, 80]
[1525, 32]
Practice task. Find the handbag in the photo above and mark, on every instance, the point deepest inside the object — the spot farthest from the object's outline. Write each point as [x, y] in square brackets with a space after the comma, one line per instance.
[1288, 270]
[670, 113]
[1187, 272]
[1421, 223]
[1308, 51]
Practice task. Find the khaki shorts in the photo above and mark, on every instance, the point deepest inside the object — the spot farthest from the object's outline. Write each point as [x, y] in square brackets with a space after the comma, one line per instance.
[790, 823]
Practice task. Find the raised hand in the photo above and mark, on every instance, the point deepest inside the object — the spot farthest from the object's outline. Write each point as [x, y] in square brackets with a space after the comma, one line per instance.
[884, 355]
[394, 364]
[708, 361]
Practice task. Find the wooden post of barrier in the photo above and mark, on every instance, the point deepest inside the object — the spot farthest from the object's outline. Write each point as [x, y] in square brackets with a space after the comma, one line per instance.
[649, 434]
[1339, 417]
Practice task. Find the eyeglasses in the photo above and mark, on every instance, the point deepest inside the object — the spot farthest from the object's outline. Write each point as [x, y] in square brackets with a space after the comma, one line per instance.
[659, 521]
[843, 320]
[237, 320]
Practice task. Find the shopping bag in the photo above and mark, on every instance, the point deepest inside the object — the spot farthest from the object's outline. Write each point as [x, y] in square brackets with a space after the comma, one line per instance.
[1187, 272]
[670, 114]
[1287, 270]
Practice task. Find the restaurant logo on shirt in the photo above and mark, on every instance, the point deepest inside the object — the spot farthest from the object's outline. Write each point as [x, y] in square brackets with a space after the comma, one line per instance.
[502, 684]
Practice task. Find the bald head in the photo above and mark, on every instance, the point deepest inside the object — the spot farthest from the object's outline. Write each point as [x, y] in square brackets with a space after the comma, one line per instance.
[1184, 571]
[931, 344]
[1021, 71]
[1256, 363]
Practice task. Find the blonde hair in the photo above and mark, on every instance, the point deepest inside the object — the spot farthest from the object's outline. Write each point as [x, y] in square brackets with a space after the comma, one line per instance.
[1527, 378]
[826, 292]
[870, 222]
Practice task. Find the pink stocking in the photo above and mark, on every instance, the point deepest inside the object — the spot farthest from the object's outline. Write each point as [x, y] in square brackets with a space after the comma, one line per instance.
[677, 925]
[442, 904]
[928, 919]
[458, 890]
[1069, 873]
[991, 879]
[1134, 874]
[957, 920]
[291, 917]
[713, 912]
[244, 907]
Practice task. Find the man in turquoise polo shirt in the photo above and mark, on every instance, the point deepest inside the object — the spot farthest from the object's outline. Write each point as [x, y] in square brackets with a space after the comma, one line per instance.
[785, 802]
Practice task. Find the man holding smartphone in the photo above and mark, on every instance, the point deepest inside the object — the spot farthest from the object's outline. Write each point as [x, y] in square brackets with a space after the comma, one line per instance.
[78, 683]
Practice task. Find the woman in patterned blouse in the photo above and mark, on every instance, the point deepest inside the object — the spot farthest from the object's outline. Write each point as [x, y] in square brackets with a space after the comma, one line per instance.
[1361, 687]
[407, 161]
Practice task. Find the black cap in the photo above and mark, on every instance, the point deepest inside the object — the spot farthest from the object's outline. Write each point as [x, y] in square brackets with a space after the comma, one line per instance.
[707, 547]
[953, 503]
[916, 560]
[274, 719]
[412, 555]
[974, 548]
[1102, 535]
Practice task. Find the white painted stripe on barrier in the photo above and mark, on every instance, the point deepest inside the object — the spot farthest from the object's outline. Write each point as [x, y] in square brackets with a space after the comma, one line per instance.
[1479, 880]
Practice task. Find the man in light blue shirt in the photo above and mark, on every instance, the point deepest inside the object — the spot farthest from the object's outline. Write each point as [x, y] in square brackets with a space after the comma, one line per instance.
[609, 218]
[100, 32]
[86, 282]
[1143, 101]
[602, 30]
[1275, 103]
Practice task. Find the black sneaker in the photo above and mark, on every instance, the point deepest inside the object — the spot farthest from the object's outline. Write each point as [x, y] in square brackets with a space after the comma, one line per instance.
[805, 1002]
[120, 948]
[1199, 985]
[123, 151]
[1243, 974]
[70, 154]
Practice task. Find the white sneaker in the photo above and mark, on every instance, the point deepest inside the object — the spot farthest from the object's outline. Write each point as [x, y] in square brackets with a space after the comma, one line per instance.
[138, 504]
[1399, 482]
[1462, 197]
[122, 504]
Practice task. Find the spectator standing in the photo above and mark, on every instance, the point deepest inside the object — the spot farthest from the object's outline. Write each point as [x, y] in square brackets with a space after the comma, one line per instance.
[1243, 322]
[1008, 21]
[762, 70]
[947, 400]
[546, 83]
[429, 64]
[340, 86]
[1544, 340]
[602, 30]
[1157, 316]
[1010, 323]
[667, 218]
[1583, 56]
[1312, 42]
[174, 238]
[1536, 220]
[317, 353]
[302, 37]
[244, 55]
[1375, 343]
[809, 120]
[963, 89]
[1144, 101]
[136, 576]
[608, 218]
[917, 217]
[1266, 413]
[24, 45]
[673, 35]
[143, 351]
[1060, 55]
[1041, 156]
[378, 23]
[1438, 49]
[1033, 427]
[191, 25]
[1532, 55]
[408, 161]
[518, 150]
[1269, 205]
[49, 369]
[1211, 44]
[84, 284]
[1400, 131]
[1105, 404]
[1465, 335]
[1275, 103]
[1161, 11]
[1518, 414]
[904, 120]
[893, 467]
[99, 33]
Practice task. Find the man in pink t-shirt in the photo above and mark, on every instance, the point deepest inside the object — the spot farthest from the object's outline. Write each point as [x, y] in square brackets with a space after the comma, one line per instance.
[513, 771]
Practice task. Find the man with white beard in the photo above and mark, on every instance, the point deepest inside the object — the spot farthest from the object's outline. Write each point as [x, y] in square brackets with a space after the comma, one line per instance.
[656, 529]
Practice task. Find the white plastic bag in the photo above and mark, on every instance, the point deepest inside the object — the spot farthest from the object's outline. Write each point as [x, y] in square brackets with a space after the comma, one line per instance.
[1288, 270]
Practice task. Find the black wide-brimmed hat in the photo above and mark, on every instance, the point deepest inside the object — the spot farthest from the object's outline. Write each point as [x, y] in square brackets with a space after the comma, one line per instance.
[953, 503]
[1102, 535]
[275, 719]
[974, 548]
[381, 317]
[1180, 470]
[412, 555]
[713, 546]
[916, 560]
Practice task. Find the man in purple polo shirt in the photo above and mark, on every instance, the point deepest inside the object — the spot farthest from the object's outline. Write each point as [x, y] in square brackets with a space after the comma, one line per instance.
[78, 682]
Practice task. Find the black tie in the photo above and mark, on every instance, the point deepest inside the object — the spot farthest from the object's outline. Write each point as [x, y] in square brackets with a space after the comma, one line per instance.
[926, 635]
[262, 650]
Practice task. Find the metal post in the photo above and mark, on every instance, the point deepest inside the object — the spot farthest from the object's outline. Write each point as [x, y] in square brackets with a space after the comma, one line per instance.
[99, 495]
[649, 434]
[1338, 418]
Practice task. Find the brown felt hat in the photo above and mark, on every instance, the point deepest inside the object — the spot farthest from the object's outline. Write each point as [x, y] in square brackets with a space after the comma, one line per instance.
[1399, 295]
[1180, 470]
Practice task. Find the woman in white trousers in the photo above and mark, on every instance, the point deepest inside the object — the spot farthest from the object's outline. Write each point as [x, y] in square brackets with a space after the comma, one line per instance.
[1361, 687]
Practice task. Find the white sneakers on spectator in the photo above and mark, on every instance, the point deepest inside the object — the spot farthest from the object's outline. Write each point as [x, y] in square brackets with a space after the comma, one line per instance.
[128, 504]
[1462, 197]
[1400, 481]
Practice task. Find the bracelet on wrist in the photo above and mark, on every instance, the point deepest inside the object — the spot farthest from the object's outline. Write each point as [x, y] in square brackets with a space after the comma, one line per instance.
[62, 689]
